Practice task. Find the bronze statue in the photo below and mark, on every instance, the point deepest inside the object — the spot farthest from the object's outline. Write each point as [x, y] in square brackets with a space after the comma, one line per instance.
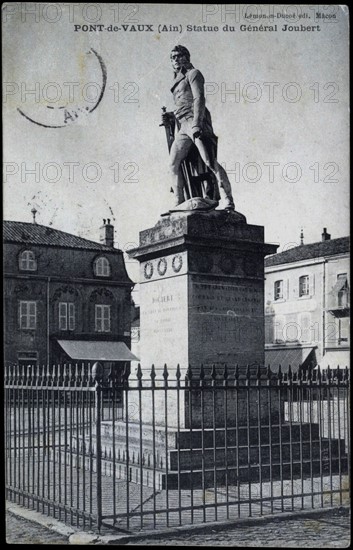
[192, 142]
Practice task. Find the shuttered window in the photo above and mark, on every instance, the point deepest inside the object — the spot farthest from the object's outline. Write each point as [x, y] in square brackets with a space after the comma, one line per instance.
[28, 314]
[102, 267]
[304, 285]
[66, 316]
[102, 320]
[278, 290]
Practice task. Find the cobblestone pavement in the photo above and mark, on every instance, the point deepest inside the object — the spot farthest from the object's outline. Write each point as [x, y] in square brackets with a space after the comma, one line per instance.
[22, 531]
[328, 530]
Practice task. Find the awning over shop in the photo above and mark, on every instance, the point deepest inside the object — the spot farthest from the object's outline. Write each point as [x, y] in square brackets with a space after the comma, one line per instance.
[340, 285]
[97, 351]
[336, 358]
[338, 298]
[285, 357]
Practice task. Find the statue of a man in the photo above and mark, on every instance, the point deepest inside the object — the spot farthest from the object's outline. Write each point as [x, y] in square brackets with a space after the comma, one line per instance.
[193, 121]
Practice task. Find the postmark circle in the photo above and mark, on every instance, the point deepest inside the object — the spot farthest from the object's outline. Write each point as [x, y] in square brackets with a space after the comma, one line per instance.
[63, 103]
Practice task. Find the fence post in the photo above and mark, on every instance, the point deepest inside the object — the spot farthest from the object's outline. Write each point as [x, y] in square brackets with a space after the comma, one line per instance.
[97, 375]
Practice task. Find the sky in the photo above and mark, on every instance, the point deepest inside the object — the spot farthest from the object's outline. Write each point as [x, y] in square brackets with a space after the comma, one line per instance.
[278, 100]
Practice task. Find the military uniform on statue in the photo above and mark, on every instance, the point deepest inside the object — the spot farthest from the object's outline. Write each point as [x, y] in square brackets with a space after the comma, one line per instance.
[198, 181]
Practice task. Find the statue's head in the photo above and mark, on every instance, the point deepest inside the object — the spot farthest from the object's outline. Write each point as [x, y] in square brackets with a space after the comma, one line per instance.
[180, 58]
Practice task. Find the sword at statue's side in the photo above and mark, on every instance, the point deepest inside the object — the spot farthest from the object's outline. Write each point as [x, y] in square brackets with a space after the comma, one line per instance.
[169, 126]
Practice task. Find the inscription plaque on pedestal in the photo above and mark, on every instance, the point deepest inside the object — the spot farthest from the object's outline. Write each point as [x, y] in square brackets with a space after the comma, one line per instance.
[201, 294]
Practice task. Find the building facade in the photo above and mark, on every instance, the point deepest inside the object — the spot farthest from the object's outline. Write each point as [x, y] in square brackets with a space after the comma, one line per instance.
[307, 305]
[66, 298]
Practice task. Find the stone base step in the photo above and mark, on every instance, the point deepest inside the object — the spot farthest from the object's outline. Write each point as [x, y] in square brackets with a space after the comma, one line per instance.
[208, 477]
[185, 438]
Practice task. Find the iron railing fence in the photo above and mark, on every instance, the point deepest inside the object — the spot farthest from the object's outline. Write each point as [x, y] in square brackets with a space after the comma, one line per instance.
[160, 447]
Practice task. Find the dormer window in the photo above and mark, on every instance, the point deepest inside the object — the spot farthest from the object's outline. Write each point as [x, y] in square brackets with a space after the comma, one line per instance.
[102, 267]
[27, 261]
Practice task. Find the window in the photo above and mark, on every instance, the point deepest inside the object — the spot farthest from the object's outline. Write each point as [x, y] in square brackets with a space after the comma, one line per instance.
[343, 331]
[278, 292]
[304, 285]
[342, 295]
[27, 261]
[102, 267]
[27, 358]
[102, 318]
[66, 316]
[28, 314]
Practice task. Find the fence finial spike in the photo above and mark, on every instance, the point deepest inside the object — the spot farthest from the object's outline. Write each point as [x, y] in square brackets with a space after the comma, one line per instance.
[213, 372]
[202, 372]
[139, 372]
[290, 374]
[318, 379]
[328, 372]
[225, 372]
[178, 373]
[64, 370]
[346, 374]
[337, 373]
[55, 373]
[126, 373]
[311, 373]
[97, 372]
[165, 373]
[300, 372]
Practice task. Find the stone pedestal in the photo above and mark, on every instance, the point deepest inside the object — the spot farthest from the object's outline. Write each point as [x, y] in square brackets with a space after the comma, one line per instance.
[201, 295]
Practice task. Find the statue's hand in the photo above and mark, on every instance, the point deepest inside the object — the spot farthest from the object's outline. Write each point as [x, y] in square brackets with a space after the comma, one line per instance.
[166, 118]
[197, 132]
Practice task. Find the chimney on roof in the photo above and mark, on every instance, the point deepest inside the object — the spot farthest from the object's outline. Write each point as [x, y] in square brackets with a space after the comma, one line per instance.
[325, 236]
[34, 212]
[107, 233]
[301, 236]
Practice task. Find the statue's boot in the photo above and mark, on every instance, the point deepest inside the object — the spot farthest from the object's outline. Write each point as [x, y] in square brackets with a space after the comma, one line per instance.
[178, 191]
[226, 202]
[224, 188]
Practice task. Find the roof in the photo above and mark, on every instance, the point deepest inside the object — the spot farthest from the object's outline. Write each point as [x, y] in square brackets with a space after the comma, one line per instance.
[307, 251]
[97, 351]
[33, 233]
